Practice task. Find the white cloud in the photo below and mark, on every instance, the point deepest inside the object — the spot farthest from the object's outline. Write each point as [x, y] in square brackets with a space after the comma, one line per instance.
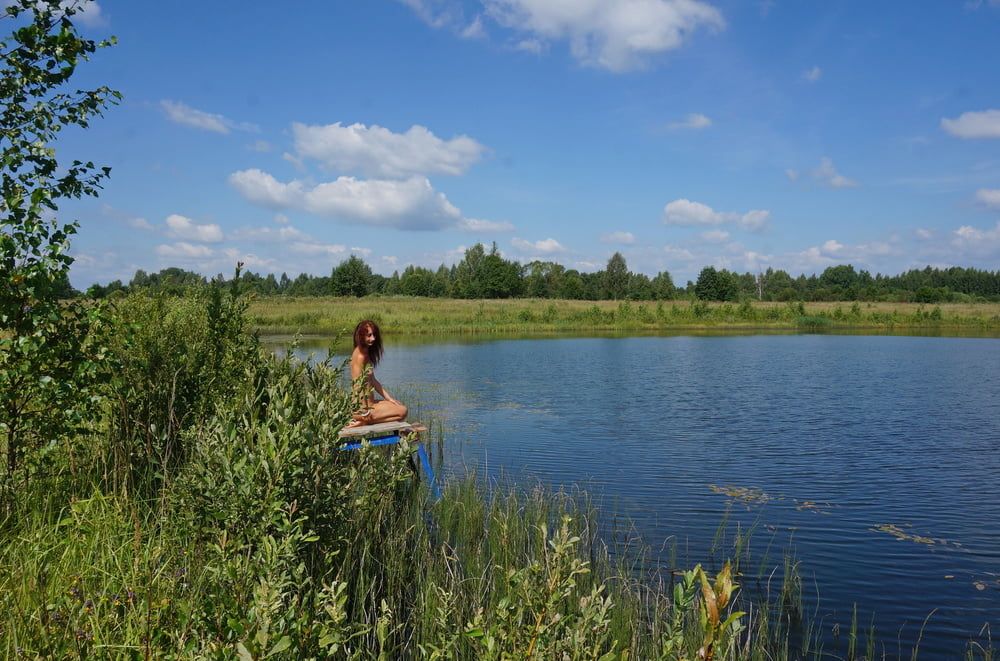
[88, 12]
[312, 248]
[141, 223]
[545, 246]
[530, 46]
[484, 226]
[793, 175]
[262, 146]
[437, 13]
[617, 35]
[473, 30]
[180, 113]
[269, 234]
[183, 250]
[694, 121]
[989, 197]
[754, 220]
[366, 252]
[971, 125]
[179, 227]
[377, 151]
[620, 238]
[684, 212]
[974, 241]
[715, 236]
[828, 174]
[924, 234]
[410, 204]
[249, 260]
[813, 75]
[281, 219]
[678, 254]
[390, 259]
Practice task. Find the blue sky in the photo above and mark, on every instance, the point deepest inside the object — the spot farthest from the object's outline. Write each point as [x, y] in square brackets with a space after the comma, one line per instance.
[682, 133]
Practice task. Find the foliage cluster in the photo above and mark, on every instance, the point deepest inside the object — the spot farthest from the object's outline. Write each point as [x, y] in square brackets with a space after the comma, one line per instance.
[51, 353]
[481, 274]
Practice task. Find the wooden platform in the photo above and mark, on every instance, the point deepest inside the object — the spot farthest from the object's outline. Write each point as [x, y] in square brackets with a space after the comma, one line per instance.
[383, 429]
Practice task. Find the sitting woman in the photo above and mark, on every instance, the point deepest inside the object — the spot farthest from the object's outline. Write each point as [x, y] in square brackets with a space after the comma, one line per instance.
[367, 352]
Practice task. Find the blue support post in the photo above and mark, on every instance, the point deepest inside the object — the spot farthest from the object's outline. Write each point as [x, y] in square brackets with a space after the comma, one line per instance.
[394, 439]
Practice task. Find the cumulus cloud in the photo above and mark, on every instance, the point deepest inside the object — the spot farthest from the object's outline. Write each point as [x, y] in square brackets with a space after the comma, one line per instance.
[684, 212]
[378, 152]
[813, 75]
[694, 121]
[473, 30]
[678, 254]
[619, 238]
[183, 250]
[715, 236]
[269, 234]
[409, 204]
[316, 248]
[484, 226]
[544, 247]
[530, 46]
[973, 125]
[924, 234]
[183, 114]
[828, 174]
[617, 35]
[141, 223]
[179, 227]
[989, 197]
[974, 241]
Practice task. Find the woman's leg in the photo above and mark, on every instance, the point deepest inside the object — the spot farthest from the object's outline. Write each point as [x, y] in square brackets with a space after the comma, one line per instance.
[386, 411]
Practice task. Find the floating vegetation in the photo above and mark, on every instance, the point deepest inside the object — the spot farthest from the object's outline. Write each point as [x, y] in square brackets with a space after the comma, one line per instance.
[812, 506]
[746, 495]
[899, 533]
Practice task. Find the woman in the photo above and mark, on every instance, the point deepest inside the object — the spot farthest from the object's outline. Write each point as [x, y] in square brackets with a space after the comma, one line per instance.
[367, 352]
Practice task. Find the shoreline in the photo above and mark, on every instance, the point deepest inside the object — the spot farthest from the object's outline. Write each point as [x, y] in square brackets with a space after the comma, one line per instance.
[405, 316]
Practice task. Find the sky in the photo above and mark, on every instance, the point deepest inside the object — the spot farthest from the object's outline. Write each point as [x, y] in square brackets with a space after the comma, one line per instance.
[744, 134]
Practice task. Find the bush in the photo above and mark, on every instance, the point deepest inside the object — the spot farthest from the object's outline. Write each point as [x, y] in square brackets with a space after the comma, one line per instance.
[175, 359]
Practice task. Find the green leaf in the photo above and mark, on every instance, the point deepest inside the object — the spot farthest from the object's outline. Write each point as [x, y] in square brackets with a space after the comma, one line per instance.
[244, 653]
[283, 644]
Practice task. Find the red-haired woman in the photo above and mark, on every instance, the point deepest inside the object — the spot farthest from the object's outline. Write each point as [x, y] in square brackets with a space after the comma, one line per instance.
[367, 352]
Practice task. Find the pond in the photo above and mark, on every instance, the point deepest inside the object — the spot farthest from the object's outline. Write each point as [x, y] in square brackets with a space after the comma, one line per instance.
[874, 460]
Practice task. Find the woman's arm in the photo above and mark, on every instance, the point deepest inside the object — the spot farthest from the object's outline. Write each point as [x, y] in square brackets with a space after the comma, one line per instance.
[360, 386]
[380, 389]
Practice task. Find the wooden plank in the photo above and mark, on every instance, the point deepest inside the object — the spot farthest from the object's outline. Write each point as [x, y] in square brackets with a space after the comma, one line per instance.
[382, 428]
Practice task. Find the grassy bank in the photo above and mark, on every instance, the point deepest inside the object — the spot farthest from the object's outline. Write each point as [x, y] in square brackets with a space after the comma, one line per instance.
[407, 315]
[206, 514]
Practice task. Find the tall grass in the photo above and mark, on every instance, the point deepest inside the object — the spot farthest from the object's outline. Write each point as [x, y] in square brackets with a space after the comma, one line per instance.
[406, 315]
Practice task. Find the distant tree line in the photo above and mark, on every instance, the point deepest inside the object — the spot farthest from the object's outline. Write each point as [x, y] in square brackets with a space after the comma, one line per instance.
[485, 273]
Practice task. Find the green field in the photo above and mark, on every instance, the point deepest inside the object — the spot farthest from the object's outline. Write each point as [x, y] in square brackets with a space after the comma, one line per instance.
[420, 316]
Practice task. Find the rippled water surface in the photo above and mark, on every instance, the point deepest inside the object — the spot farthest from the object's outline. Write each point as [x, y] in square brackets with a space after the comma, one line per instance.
[875, 459]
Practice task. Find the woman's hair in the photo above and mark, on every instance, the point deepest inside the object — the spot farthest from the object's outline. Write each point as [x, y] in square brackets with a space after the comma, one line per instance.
[375, 351]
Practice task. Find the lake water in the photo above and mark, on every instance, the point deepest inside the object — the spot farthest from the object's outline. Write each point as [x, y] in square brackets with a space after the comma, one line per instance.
[874, 459]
